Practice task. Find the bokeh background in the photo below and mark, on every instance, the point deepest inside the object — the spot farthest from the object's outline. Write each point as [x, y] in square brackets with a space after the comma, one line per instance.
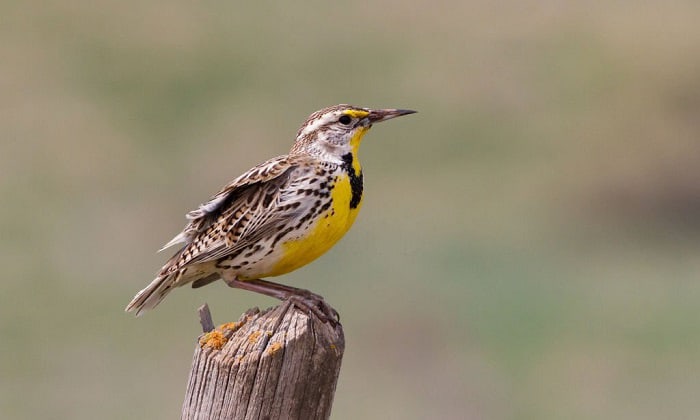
[528, 244]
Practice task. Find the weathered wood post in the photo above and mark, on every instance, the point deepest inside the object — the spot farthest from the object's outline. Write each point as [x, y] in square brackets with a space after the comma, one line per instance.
[281, 363]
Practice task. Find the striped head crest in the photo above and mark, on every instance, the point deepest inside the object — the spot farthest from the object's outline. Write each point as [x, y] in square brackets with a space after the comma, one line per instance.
[338, 130]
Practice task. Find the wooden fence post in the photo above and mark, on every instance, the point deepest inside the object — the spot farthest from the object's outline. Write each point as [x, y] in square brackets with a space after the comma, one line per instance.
[281, 363]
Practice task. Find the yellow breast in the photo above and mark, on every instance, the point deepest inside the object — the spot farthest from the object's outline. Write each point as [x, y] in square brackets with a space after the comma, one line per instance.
[328, 229]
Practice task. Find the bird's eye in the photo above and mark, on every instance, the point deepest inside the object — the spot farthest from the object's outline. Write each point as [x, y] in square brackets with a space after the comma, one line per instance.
[344, 119]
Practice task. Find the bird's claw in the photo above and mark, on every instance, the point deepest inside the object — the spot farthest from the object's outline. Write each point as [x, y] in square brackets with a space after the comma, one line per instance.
[311, 302]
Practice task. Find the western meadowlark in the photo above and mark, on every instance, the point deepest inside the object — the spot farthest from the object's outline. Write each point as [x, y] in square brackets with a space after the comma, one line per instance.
[278, 216]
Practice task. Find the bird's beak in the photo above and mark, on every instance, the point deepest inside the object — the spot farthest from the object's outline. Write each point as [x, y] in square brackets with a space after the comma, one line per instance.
[379, 115]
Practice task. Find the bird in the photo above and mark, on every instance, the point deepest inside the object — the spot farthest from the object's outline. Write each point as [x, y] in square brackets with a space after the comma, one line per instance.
[277, 217]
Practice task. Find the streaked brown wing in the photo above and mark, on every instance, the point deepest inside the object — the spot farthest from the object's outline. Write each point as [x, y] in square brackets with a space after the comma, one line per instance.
[239, 214]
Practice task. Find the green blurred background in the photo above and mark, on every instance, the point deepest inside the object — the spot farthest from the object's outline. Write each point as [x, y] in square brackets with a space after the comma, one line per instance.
[528, 244]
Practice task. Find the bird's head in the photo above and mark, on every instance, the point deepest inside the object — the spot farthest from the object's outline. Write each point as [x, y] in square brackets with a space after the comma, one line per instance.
[338, 130]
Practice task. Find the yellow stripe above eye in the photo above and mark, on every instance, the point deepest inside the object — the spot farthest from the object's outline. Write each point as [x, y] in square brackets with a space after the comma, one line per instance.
[356, 113]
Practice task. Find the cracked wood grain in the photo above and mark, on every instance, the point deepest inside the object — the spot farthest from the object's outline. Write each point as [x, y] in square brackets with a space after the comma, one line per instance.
[277, 364]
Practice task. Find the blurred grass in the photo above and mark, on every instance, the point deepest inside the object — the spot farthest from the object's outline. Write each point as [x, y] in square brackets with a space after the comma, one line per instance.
[528, 244]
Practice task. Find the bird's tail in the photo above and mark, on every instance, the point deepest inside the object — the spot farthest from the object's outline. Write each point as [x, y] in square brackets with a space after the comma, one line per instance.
[155, 292]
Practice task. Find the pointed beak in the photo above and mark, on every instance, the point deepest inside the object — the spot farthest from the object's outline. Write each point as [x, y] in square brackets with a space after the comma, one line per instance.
[379, 115]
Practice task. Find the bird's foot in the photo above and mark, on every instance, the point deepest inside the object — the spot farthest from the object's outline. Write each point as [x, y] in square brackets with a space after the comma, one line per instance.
[303, 299]
[312, 303]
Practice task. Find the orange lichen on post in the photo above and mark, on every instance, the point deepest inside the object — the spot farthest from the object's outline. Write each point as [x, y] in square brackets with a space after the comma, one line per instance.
[275, 355]
[253, 337]
[218, 337]
[274, 348]
[230, 326]
[213, 339]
